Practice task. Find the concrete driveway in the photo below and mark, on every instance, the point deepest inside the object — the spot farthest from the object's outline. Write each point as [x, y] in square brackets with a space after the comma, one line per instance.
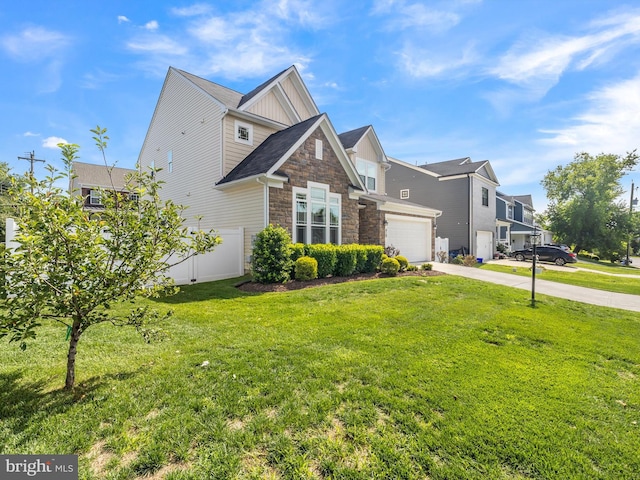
[569, 292]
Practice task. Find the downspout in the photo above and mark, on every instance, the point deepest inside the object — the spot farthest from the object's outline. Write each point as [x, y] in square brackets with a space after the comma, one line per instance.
[265, 184]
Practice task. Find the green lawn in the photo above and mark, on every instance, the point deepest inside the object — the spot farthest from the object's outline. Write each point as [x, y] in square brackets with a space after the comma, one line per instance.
[581, 278]
[414, 377]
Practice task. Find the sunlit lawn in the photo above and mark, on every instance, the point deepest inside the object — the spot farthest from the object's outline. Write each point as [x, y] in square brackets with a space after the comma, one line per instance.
[611, 282]
[435, 377]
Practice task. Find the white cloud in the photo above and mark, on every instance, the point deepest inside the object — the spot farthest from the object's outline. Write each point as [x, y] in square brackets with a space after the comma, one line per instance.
[34, 44]
[401, 15]
[234, 45]
[610, 122]
[30, 134]
[152, 25]
[123, 19]
[424, 63]
[52, 142]
[192, 11]
[157, 44]
[538, 60]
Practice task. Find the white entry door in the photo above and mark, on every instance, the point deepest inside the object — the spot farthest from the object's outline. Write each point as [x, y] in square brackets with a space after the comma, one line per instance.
[484, 243]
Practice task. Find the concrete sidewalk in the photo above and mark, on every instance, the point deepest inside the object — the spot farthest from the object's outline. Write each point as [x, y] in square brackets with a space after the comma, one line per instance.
[570, 292]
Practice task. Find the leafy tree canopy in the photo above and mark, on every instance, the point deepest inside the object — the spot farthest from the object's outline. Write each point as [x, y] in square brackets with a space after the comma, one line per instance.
[584, 209]
[72, 266]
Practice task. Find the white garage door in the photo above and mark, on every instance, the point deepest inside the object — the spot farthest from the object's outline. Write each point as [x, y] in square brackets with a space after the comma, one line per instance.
[484, 242]
[412, 236]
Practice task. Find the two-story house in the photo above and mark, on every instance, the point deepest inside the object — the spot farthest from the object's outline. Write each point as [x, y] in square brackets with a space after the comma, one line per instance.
[91, 181]
[463, 190]
[271, 157]
[515, 222]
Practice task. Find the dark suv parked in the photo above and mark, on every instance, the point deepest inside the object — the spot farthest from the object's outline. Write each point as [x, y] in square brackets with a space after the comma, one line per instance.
[546, 254]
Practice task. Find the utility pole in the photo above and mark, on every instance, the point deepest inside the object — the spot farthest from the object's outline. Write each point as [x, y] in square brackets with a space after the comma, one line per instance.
[31, 158]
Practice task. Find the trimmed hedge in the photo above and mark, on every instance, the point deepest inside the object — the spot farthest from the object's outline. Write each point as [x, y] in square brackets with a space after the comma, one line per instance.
[306, 268]
[275, 257]
[326, 256]
[346, 260]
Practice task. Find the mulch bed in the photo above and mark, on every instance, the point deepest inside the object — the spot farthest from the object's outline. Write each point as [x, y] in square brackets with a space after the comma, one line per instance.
[297, 285]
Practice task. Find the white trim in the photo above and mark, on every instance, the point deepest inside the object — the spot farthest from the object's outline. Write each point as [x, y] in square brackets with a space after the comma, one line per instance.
[318, 149]
[309, 201]
[237, 125]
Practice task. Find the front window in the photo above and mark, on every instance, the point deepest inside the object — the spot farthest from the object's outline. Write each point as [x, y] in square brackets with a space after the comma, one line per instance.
[485, 196]
[317, 214]
[368, 172]
[95, 197]
[510, 212]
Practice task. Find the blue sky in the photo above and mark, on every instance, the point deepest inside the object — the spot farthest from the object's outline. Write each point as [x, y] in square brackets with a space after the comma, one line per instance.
[524, 84]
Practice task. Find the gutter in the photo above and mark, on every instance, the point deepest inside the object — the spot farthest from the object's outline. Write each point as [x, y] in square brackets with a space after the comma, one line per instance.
[265, 186]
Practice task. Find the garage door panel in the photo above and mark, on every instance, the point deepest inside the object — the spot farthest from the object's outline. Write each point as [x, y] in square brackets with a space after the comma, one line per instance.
[411, 236]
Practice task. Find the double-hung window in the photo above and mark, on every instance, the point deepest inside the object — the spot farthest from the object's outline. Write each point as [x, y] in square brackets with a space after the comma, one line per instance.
[95, 197]
[368, 172]
[317, 214]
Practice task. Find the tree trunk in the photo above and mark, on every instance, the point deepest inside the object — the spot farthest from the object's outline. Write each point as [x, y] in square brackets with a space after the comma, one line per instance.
[71, 357]
[577, 249]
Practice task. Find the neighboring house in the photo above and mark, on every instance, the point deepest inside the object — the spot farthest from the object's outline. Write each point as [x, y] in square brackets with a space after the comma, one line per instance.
[515, 223]
[463, 190]
[92, 181]
[270, 157]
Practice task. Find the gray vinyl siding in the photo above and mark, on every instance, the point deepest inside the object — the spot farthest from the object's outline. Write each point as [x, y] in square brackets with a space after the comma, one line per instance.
[501, 208]
[450, 196]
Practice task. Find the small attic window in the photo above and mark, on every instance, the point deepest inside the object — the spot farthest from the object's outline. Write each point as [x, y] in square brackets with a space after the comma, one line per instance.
[243, 133]
[404, 194]
[318, 149]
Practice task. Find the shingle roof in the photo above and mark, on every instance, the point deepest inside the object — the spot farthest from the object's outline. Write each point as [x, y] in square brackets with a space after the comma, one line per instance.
[350, 138]
[90, 174]
[524, 199]
[228, 97]
[269, 152]
[259, 88]
[459, 166]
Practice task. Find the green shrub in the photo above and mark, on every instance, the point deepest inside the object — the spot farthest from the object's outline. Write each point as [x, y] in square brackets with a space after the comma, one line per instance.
[404, 263]
[296, 251]
[345, 261]
[390, 266]
[458, 260]
[272, 255]
[427, 266]
[361, 258]
[306, 268]
[412, 268]
[374, 257]
[325, 254]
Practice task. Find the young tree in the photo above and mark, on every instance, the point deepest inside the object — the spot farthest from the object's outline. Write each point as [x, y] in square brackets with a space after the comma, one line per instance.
[72, 266]
[584, 209]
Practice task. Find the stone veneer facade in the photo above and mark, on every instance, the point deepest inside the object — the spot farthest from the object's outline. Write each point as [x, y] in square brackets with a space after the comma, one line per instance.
[371, 224]
[302, 167]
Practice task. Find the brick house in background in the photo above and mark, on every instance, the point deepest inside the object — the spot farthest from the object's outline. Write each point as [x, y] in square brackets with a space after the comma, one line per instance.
[92, 181]
[271, 157]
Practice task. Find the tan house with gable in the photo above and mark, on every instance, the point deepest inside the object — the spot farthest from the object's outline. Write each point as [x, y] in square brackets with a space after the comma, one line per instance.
[271, 157]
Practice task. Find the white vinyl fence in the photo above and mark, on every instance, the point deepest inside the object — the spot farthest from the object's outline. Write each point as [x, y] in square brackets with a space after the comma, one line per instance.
[226, 261]
[442, 245]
